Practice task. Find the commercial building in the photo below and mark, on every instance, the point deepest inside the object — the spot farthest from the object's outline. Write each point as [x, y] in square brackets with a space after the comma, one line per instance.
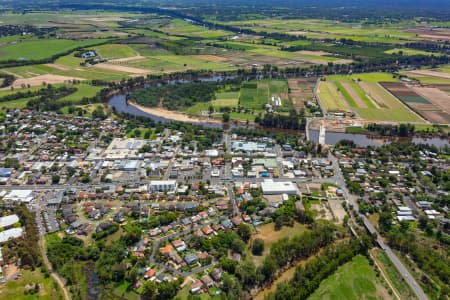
[24, 196]
[270, 187]
[247, 146]
[163, 185]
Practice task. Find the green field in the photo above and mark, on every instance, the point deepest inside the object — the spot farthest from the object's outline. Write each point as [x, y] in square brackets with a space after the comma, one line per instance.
[388, 108]
[182, 27]
[408, 51]
[254, 95]
[226, 99]
[41, 49]
[174, 63]
[354, 280]
[320, 28]
[330, 98]
[83, 90]
[114, 51]
[346, 94]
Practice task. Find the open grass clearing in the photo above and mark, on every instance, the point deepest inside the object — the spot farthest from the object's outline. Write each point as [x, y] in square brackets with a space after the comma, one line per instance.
[15, 104]
[354, 280]
[83, 90]
[269, 235]
[15, 289]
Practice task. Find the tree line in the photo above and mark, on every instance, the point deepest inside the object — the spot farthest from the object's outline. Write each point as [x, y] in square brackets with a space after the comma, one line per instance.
[307, 278]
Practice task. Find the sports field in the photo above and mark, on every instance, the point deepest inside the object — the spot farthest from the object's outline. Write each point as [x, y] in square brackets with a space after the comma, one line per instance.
[354, 280]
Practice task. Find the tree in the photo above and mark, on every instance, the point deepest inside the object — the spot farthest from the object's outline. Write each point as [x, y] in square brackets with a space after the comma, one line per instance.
[268, 268]
[55, 179]
[166, 290]
[244, 231]
[149, 291]
[385, 221]
[258, 246]
[226, 117]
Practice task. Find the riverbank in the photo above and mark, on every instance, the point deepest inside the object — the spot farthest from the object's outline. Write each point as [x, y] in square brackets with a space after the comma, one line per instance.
[173, 115]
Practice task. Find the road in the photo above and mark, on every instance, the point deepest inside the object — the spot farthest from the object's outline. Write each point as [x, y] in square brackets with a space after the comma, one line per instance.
[53, 187]
[340, 181]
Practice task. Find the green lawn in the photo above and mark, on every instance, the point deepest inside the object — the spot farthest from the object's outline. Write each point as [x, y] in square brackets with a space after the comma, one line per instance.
[41, 49]
[354, 280]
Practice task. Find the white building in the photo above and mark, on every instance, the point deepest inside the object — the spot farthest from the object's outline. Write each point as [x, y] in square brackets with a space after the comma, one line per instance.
[12, 233]
[270, 187]
[25, 196]
[163, 185]
[8, 221]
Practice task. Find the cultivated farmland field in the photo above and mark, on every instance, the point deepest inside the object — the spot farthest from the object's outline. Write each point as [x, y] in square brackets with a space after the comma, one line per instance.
[254, 95]
[423, 106]
[367, 98]
[330, 98]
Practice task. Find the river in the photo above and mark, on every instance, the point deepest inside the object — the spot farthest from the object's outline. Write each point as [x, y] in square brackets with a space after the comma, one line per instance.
[362, 140]
[120, 105]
